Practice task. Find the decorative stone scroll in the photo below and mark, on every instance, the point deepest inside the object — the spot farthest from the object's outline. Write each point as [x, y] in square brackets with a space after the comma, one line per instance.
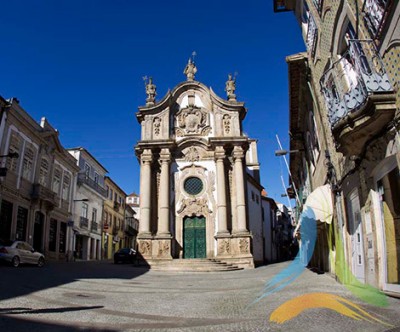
[226, 121]
[163, 249]
[145, 248]
[224, 247]
[157, 126]
[194, 207]
[192, 121]
[244, 246]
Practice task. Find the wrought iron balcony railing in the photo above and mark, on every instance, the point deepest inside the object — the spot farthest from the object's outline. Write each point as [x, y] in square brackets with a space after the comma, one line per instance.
[41, 192]
[94, 226]
[375, 14]
[318, 4]
[312, 35]
[83, 178]
[348, 83]
[83, 222]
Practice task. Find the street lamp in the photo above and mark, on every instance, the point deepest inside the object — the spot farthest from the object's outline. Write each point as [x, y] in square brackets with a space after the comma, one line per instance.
[279, 153]
[12, 155]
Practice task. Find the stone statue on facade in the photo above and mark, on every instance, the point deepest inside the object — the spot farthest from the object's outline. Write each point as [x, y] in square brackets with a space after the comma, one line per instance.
[150, 91]
[190, 70]
[230, 88]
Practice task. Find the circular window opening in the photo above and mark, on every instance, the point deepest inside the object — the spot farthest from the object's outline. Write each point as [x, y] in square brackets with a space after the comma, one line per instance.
[193, 185]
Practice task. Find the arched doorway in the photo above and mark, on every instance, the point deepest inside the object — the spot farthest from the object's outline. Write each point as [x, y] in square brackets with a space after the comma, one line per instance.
[194, 237]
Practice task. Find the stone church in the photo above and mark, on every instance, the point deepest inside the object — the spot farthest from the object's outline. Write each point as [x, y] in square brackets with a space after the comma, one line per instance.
[200, 192]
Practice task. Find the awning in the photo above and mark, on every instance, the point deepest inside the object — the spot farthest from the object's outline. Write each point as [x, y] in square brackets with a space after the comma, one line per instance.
[319, 204]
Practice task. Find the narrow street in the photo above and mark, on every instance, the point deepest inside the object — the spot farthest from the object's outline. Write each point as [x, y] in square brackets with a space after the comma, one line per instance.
[101, 296]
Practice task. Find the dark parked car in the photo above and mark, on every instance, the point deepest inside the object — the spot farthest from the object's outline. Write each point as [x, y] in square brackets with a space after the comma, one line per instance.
[125, 255]
[20, 252]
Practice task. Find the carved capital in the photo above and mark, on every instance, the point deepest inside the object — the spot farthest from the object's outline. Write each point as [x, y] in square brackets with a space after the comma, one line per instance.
[165, 156]
[147, 156]
[238, 153]
[219, 153]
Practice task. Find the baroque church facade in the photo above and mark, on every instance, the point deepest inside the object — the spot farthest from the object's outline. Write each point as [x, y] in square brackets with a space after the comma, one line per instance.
[199, 177]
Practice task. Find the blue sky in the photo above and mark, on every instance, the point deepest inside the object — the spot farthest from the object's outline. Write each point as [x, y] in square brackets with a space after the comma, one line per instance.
[80, 64]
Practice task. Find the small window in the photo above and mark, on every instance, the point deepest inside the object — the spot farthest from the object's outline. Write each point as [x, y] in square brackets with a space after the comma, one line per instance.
[87, 170]
[94, 215]
[84, 212]
[56, 180]
[96, 177]
[66, 186]
[43, 172]
[27, 166]
[193, 185]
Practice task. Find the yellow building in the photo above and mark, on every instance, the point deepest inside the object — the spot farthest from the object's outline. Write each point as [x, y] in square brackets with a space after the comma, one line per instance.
[113, 219]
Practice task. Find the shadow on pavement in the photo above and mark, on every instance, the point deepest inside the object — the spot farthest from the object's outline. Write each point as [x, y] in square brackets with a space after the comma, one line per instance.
[28, 279]
[22, 325]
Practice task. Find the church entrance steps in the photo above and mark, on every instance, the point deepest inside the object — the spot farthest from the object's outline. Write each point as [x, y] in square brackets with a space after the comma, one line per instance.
[192, 265]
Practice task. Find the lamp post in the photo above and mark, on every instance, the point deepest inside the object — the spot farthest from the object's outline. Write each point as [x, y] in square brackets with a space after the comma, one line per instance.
[283, 153]
[12, 155]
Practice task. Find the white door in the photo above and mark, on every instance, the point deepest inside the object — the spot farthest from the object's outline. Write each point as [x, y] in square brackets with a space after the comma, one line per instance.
[355, 229]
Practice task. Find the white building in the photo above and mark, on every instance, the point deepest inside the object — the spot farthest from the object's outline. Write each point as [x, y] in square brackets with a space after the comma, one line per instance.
[199, 186]
[88, 205]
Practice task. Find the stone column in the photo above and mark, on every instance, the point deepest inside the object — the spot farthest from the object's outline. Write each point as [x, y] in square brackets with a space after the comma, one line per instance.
[145, 192]
[221, 190]
[240, 192]
[163, 200]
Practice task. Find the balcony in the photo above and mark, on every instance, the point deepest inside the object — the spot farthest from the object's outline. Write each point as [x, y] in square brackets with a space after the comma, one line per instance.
[312, 35]
[84, 179]
[375, 15]
[83, 222]
[284, 5]
[39, 192]
[318, 4]
[94, 227]
[358, 95]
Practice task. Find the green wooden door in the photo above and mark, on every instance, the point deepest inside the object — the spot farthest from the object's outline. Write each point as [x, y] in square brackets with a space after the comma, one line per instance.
[194, 237]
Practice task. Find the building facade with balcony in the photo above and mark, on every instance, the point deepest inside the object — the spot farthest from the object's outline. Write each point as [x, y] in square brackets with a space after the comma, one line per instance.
[113, 219]
[350, 72]
[89, 197]
[36, 192]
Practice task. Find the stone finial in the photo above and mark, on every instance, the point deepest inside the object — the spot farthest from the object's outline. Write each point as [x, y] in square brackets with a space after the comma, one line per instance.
[150, 91]
[230, 88]
[190, 69]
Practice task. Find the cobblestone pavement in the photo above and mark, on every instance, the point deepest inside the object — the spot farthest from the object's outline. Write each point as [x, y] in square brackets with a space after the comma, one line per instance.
[101, 296]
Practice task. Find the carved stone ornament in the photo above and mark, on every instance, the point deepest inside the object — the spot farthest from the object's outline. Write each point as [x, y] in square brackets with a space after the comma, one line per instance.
[192, 154]
[244, 246]
[224, 247]
[157, 126]
[226, 121]
[192, 121]
[194, 207]
[145, 248]
[163, 249]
